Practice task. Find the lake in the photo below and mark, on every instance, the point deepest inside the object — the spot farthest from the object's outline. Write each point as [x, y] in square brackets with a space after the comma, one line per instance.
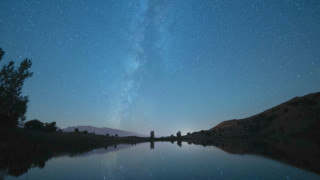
[162, 160]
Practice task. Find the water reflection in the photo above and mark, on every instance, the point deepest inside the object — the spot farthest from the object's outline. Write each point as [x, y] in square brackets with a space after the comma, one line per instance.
[297, 152]
[16, 162]
[179, 143]
[105, 150]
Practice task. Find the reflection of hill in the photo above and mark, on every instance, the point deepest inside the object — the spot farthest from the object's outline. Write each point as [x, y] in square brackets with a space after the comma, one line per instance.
[298, 152]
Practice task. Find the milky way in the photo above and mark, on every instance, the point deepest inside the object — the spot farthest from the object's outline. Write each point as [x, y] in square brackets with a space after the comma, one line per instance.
[145, 21]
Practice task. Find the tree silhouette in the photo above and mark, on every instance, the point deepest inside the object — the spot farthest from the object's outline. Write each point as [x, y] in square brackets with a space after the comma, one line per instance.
[76, 130]
[34, 125]
[13, 105]
[152, 134]
[50, 127]
[179, 134]
[37, 125]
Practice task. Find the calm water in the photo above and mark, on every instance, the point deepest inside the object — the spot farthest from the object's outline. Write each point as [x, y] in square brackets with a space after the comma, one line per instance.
[165, 161]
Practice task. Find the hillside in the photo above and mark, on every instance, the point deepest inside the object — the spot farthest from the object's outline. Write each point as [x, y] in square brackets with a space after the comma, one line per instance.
[298, 116]
[102, 131]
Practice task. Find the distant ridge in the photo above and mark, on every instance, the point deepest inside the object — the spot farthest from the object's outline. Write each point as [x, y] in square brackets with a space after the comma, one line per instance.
[102, 131]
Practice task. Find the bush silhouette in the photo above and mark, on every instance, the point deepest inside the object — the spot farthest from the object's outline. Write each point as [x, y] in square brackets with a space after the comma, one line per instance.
[34, 125]
[37, 125]
[76, 130]
[50, 127]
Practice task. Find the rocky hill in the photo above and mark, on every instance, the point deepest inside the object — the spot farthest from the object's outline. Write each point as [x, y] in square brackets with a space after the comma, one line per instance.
[298, 116]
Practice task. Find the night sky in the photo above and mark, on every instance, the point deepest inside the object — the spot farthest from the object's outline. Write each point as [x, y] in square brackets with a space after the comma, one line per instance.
[161, 65]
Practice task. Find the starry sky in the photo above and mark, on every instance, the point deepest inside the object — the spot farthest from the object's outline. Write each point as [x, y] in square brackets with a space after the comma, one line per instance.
[161, 65]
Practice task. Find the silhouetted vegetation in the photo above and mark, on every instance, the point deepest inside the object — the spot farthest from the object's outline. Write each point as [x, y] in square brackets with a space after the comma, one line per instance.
[37, 125]
[152, 134]
[76, 130]
[13, 105]
[179, 134]
[50, 127]
[34, 125]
